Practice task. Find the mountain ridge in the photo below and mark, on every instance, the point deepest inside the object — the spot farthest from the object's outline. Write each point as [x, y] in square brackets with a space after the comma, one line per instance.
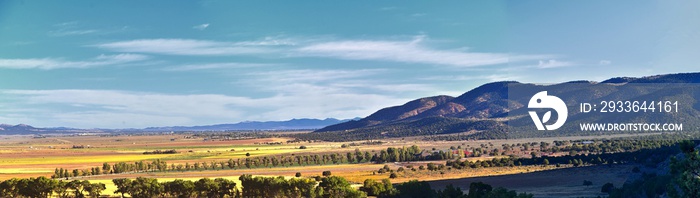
[292, 124]
[491, 101]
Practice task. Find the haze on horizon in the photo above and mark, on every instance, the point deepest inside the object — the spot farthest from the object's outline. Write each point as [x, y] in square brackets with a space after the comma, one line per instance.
[115, 64]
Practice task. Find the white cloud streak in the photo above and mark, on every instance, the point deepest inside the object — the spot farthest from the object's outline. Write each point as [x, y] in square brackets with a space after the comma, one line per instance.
[71, 28]
[57, 63]
[412, 51]
[553, 64]
[407, 52]
[118, 109]
[201, 26]
[211, 66]
[185, 47]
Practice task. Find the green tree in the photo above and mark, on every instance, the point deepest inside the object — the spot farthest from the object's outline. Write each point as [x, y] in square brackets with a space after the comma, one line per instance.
[393, 175]
[451, 192]
[143, 187]
[106, 167]
[326, 173]
[78, 187]
[379, 189]
[415, 188]
[123, 185]
[206, 187]
[226, 188]
[338, 187]
[37, 187]
[9, 188]
[686, 171]
[479, 189]
[607, 187]
[94, 190]
[179, 188]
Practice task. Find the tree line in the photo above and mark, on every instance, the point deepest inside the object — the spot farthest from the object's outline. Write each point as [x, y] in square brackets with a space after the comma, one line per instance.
[389, 154]
[45, 187]
[415, 188]
[683, 180]
[603, 150]
[428, 126]
[263, 187]
[651, 156]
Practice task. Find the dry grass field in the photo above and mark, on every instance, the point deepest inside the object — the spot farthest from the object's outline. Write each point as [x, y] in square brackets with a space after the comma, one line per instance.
[551, 183]
[25, 156]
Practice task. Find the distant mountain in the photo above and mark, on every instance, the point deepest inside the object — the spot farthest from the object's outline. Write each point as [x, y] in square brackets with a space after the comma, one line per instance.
[17, 128]
[499, 109]
[293, 124]
[392, 114]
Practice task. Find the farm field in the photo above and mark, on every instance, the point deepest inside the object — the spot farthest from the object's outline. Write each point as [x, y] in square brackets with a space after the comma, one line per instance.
[551, 183]
[26, 156]
[22, 156]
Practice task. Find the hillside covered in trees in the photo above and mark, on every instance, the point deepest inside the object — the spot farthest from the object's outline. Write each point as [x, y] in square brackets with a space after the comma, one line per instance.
[499, 110]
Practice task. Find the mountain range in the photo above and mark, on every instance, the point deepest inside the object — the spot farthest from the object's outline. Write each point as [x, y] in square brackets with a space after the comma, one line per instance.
[499, 109]
[493, 110]
[293, 124]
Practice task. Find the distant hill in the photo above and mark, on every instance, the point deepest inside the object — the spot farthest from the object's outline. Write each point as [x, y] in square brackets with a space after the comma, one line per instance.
[20, 128]
[498, 110]
[293, 124]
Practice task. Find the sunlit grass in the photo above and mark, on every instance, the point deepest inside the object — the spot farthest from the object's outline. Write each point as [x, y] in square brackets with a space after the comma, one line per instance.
[24, 170]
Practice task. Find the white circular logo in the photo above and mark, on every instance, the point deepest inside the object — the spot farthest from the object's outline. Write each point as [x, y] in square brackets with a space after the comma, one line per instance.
[540, 101]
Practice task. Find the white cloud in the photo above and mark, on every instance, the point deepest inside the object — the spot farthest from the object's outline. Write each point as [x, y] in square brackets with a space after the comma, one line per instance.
[553, 64]
[489, 78]
[605, 62]
[119, 109]
[407, 52]
[54, 63]
[70, 32]
[201, 27]
[185, 47]
[210, 66]
[308, 75]
[70, 29]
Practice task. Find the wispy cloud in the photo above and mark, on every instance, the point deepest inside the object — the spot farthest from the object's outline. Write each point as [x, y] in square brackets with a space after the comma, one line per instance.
[57, 63]
[186, 47]
[210, 66]
[489, 77]
[553, 64]
[114, 108]
[309, 75]
[70, 29]
[201, 26]
[408, 52]
[604, 62]
[70, 32]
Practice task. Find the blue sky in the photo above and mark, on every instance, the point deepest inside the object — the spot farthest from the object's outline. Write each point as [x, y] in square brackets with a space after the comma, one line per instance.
[122, 64]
